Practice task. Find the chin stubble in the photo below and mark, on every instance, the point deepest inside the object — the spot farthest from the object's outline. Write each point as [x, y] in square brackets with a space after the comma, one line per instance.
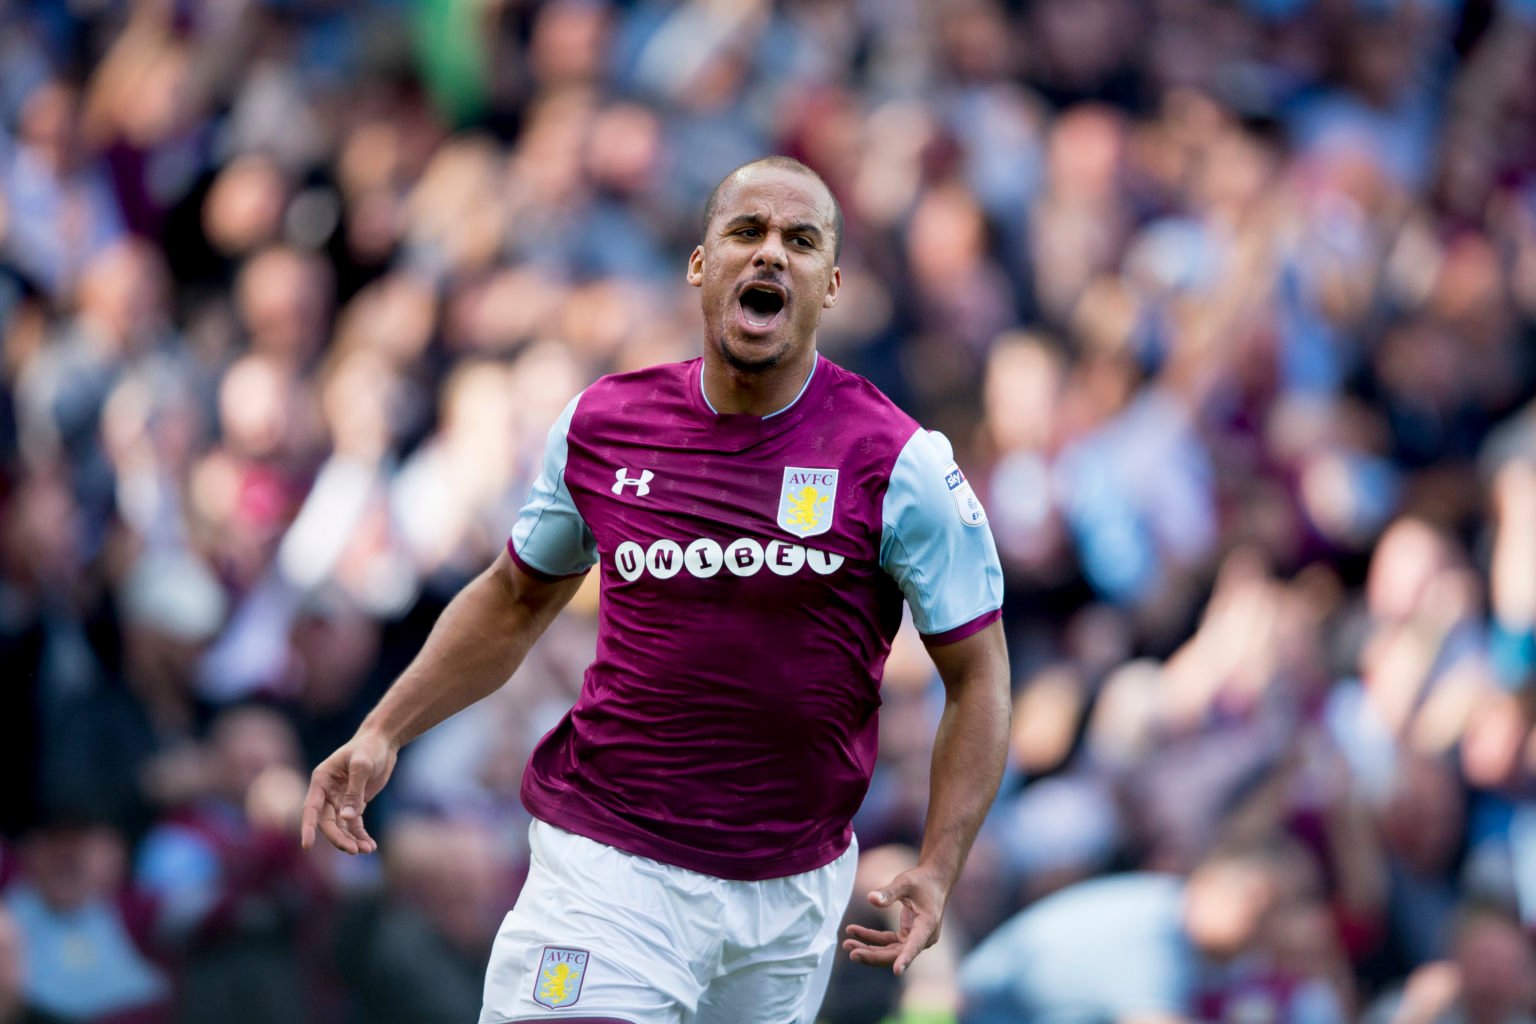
[741, 365]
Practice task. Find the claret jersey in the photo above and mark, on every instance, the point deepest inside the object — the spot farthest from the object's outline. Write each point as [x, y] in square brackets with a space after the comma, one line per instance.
[753, 573]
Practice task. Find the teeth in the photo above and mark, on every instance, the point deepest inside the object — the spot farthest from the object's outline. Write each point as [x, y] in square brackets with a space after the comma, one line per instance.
[754, 317]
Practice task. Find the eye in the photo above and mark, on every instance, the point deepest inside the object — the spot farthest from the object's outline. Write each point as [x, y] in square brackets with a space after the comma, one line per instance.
[803, 242]
[749, 232]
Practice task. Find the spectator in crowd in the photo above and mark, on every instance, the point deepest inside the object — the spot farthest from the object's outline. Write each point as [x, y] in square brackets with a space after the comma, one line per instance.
[416, 952]
[81, 927]
[61, 210]
[1174, 945]
[1490, 976]
[229, 893]
[14, 1007]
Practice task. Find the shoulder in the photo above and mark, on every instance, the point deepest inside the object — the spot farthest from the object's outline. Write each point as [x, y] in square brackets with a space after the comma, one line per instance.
[854, 400]
[619, 397]
[658, 379]
[927, 483]
[854, 393]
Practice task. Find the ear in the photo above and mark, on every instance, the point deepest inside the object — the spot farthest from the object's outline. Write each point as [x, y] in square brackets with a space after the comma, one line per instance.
[834, 285]
[696, 266]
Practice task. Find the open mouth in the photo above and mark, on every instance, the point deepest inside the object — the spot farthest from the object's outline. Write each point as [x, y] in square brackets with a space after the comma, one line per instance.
[761, 304]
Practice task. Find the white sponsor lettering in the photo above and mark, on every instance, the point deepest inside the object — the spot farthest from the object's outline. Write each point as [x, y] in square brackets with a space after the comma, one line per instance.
[630, 558]
[744, 557]
[785, 559]
[664, 559]
[824, 562]
[704, 558]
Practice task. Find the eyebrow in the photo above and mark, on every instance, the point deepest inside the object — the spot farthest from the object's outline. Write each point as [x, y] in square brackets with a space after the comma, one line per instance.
[752, 219]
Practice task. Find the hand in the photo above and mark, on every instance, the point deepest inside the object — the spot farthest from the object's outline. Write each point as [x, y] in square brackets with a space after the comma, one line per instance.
[922, 909]
[340, 789]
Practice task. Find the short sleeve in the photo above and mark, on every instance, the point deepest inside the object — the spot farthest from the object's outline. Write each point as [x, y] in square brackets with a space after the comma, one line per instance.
[550, 540]
[936, 545]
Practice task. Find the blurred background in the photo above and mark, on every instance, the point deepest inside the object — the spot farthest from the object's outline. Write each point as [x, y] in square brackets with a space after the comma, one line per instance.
[1228, 306]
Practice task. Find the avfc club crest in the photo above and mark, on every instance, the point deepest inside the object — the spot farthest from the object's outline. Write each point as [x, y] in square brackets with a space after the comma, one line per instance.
[807, 500]
[561, 972]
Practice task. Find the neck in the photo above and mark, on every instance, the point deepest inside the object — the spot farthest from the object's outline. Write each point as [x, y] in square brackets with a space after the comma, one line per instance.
[730, 390]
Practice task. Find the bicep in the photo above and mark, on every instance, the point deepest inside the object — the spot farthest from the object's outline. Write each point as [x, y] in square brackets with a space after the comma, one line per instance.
[540, 598]
[982, 656]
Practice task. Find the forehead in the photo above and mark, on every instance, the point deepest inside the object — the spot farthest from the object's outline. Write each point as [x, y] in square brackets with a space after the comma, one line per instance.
[775, 193]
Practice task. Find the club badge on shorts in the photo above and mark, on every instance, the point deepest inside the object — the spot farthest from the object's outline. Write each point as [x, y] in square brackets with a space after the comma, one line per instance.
[561, 972]
[807, 499]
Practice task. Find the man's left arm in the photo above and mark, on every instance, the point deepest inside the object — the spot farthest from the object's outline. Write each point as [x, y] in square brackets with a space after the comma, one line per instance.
[936, 546]
[968, 755]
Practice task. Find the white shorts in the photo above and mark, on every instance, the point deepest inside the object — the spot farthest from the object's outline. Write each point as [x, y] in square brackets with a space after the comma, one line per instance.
[603, 936]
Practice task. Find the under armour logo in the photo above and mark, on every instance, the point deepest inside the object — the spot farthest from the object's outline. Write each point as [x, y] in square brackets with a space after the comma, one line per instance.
[641, 483]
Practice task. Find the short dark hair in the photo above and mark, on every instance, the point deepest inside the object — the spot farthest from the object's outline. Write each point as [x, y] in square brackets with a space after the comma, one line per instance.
[784, 163]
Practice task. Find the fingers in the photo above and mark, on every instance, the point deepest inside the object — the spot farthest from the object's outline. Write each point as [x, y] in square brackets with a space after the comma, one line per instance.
[871, 936]
[871, 956]
[339, 820]
[333, 831]
[359, 834]
[897, 950]
[314, 800]
[354, 801]
[916, 942]
[874, 947]
[879, 949]
[898, 889]
[887, 949]
[348, 837]
[359, 769]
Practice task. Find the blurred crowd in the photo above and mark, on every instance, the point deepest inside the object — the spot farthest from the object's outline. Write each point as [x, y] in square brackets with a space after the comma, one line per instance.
[1228, 306]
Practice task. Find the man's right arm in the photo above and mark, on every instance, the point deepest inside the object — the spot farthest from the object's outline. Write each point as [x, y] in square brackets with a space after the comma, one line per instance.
[478, 642]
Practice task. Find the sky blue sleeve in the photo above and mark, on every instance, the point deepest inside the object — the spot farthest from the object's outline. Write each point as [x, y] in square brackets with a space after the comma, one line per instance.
[550, 539]
[936, 544]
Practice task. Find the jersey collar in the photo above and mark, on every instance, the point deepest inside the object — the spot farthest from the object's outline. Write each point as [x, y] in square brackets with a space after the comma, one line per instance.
[815, 362]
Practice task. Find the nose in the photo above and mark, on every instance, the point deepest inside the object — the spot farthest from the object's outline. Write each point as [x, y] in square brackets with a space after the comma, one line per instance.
[771, 254]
